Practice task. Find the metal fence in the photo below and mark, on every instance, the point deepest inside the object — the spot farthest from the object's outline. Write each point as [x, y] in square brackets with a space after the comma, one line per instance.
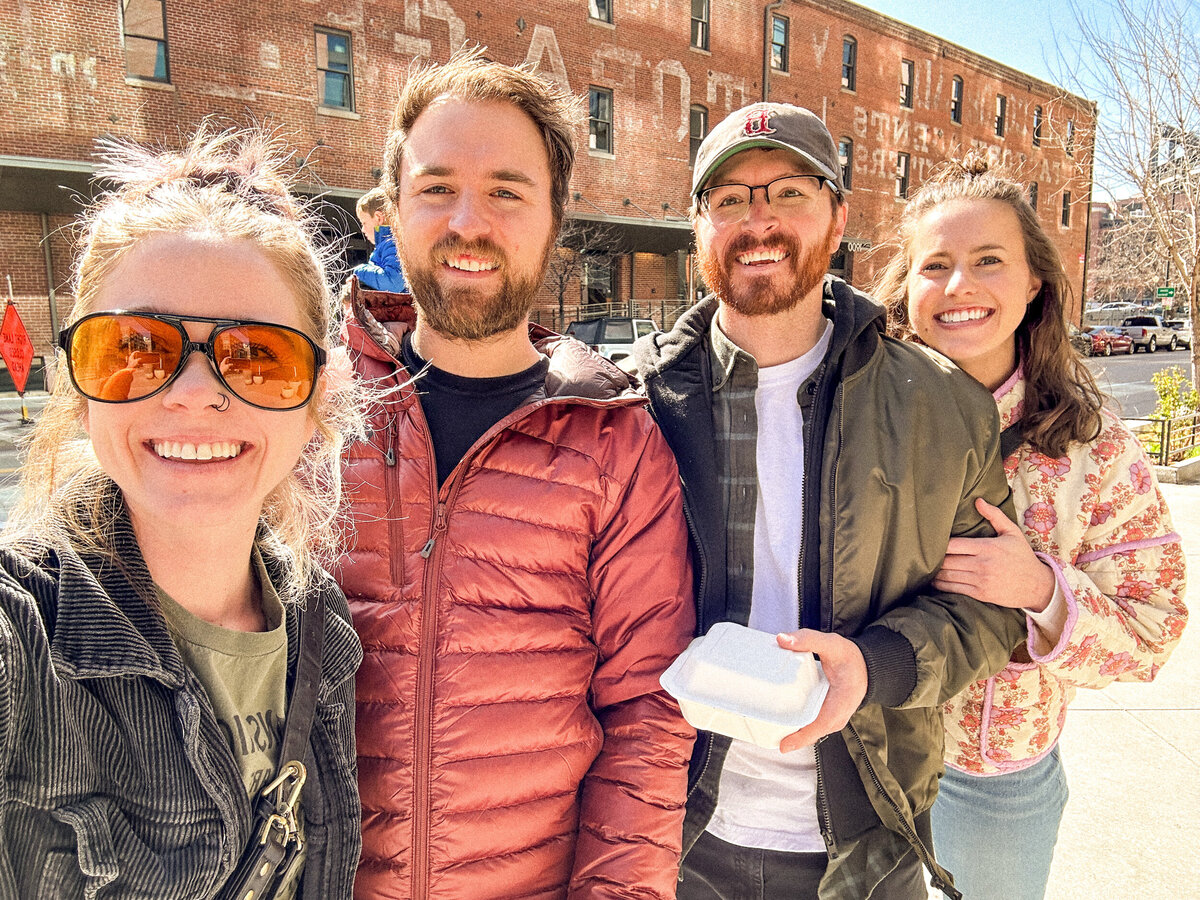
[664, 312]
[1168, 440]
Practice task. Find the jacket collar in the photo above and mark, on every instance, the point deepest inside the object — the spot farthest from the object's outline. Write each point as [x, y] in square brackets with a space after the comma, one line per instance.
[104, 626]
[575, 371]
[853, 313]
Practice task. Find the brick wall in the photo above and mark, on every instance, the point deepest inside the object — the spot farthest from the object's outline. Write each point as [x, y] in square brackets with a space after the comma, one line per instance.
[62, 75]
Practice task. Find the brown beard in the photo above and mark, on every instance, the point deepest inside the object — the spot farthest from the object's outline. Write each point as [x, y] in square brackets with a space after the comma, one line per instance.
[465, 313]
[808, 270]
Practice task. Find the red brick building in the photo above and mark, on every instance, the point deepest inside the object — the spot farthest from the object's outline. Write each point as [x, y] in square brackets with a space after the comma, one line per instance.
[651, 78]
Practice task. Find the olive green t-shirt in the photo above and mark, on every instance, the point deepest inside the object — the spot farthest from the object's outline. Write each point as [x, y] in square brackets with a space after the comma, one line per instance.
[245, 676]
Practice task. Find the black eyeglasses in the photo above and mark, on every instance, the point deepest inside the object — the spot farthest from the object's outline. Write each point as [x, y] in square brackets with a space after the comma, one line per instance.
[791, 195]
[120, 356]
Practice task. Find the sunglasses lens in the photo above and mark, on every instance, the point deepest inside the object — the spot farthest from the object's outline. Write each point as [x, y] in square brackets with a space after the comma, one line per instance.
[123, 357]
[266, 365]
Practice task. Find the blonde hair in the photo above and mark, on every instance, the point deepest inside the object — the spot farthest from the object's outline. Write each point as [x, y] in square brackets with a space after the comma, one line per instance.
[371, 202]
[1062, 402]
[229, 184]
[470, 77]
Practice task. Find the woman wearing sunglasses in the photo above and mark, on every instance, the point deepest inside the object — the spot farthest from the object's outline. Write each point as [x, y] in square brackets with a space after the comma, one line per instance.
[176, 670]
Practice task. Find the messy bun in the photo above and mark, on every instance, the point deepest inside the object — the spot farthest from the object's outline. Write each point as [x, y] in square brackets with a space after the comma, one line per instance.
[228, 185]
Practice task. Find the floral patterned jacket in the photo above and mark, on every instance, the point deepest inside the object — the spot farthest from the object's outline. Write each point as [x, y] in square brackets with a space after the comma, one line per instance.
[1097, 518]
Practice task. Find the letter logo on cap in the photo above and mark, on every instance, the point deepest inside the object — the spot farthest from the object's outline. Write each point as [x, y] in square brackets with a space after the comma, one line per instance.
[758, 120]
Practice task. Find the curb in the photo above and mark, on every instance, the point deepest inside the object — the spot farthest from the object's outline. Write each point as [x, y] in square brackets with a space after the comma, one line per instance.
[1186, 472]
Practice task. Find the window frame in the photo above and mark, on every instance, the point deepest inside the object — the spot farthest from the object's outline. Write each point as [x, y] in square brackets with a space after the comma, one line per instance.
[1033, 195]
[956, 99]
[1070, 142]
[780, 49]
[694, 140]
[903, 171]
[594, 11]
[320, 31]
[600, 93]
[1001, 115]
[908, 78]
[1037, 126]
[162, 42]
[846, 161]
[701, 26]
[1065, 219]
[849, 67]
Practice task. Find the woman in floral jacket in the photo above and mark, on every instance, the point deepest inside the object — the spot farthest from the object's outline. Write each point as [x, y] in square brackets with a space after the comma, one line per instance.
[1095, 562]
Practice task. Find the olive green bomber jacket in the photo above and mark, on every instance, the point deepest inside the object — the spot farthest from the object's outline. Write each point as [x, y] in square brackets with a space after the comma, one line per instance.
[907, 444]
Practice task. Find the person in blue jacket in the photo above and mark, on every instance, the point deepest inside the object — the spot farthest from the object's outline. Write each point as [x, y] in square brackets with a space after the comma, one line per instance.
[382, 271]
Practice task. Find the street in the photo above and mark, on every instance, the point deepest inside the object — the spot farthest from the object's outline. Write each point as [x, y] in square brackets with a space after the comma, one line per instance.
[1126, 379]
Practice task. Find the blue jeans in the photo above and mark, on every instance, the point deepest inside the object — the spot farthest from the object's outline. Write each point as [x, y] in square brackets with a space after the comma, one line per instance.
[996, 834]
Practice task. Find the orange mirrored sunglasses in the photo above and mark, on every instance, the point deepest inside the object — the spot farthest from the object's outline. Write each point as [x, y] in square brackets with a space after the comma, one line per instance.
[119, 357]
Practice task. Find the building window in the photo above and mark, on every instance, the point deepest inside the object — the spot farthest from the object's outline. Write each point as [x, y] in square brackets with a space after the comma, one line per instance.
[600, 9]
[1070, 137]
[1033, 195]
[697, 129]
[779, 43]
[1066, 209]
[849, 62]
[597, 278]
[145, 28]
[600, 120]
[1001, 114]
[846, 160]
[700, 24]
[1037, 126]
[902, 175]
[907, 68]
[956, 100]
[335, 69]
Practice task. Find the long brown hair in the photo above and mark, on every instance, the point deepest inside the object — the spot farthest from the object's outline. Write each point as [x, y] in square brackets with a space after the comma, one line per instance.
[1062, 402]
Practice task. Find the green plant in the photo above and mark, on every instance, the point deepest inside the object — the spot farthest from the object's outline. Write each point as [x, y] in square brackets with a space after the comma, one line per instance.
[1176, 396]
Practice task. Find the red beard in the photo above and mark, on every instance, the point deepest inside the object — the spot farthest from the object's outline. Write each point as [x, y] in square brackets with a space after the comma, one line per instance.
[764, 296]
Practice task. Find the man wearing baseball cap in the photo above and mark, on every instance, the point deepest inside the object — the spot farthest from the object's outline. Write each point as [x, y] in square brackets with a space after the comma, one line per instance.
[825, 468]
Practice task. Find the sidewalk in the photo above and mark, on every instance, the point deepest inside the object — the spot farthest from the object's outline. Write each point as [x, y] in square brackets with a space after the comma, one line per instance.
[1132, 753]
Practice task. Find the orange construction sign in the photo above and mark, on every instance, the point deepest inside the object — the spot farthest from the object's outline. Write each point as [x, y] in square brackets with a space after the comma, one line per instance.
[15, 347]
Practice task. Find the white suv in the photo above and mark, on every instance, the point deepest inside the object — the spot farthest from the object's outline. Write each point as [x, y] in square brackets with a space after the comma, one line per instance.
[611, 336]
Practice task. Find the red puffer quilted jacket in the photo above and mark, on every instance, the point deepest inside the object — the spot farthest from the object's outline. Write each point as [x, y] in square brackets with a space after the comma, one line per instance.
[513, 739]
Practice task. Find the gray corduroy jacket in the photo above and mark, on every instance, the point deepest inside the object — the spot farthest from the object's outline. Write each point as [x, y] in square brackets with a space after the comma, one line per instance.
[115, 779]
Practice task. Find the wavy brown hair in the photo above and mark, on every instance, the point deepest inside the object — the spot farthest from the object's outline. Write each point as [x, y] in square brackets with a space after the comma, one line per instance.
[229, 185]
[469, 76]
[1062, 402]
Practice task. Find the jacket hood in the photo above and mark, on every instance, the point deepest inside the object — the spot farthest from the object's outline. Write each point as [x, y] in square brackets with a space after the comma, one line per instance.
[851, 311]
[381, 319]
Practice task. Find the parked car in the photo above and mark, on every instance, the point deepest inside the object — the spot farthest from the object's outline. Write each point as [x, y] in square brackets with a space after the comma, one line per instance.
[1183, 331]
[1149, 333]
[1108, 339]
[611, 336]
[1080, 341]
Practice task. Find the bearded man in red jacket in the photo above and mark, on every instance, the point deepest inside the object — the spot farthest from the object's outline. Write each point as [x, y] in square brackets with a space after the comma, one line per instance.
[519, 574]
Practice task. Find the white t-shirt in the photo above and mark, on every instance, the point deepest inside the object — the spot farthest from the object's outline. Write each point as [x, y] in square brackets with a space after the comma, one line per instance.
[767, 799]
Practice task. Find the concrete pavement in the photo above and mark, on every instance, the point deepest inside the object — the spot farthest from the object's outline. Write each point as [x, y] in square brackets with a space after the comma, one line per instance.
[1132, 751]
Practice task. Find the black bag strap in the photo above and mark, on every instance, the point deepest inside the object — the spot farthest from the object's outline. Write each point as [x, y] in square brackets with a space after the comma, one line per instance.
[1010, 439]
[303, 704]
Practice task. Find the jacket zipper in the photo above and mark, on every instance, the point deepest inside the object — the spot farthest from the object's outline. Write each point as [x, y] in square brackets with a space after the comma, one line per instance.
[392, 486]
[423, 711]
[911, 836]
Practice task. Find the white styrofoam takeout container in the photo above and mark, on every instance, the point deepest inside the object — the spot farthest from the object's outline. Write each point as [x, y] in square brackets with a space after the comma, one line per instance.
[741, 683]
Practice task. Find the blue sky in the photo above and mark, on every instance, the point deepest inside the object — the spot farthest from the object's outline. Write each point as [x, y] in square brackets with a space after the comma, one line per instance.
[1018, 33]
